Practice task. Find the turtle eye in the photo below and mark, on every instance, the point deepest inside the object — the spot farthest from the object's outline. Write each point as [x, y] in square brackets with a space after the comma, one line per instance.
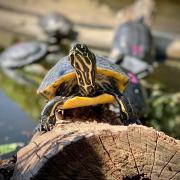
[84, 53]
[78, 46]
[84, 49]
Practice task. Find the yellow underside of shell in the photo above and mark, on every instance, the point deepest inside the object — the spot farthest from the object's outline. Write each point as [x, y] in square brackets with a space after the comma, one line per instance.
[78, 101]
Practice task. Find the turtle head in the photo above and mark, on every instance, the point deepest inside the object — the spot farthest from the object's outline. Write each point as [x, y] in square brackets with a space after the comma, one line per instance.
[83, 61]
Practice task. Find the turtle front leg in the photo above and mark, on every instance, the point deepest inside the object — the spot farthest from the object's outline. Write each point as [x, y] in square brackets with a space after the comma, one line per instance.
[127, 114]
[126, 111]
[49, 114]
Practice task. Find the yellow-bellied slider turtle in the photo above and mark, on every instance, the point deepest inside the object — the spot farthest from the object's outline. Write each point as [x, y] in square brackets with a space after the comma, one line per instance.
[21, 55]
[83, 79]
[137, 49]
[133, 38]
[56, 26]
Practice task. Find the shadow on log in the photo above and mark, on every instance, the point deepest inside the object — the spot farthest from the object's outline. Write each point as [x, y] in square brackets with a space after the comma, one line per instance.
[99, 151]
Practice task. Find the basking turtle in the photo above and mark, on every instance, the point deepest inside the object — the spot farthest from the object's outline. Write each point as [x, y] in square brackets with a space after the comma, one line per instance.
[56, 26]
[83, 79]
[133, 42]
[137, 95]
[133, 38]
[21, 55]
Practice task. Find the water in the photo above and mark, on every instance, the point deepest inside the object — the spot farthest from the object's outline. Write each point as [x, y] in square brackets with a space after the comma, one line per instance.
[19, 112]
[15, 124]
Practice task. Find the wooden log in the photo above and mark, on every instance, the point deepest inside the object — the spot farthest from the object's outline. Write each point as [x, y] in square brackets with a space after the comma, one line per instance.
[91, 150]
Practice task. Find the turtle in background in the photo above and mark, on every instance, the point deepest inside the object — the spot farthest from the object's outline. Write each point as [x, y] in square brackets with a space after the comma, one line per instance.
[57, 27]
[84, 79]
[133, 47]
[137, 95]
[23, 55]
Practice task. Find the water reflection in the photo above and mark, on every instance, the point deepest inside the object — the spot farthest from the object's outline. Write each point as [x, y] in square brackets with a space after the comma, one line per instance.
[15, 125]
[24, 96]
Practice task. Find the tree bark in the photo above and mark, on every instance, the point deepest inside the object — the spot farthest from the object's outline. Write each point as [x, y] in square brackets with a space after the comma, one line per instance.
[90, 150]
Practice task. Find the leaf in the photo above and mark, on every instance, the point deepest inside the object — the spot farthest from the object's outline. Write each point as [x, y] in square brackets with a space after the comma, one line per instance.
[7, 148]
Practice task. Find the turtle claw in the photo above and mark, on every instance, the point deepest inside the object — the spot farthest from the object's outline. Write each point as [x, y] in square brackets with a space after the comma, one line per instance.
[47, 123]
[38, 128]
[131, 121]
[46, 127]
[50, 114]
[61, 122]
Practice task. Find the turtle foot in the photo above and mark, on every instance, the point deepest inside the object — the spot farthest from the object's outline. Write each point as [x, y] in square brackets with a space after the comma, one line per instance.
[45, 127]
[63, 121]
[47, 124]
[132, 121]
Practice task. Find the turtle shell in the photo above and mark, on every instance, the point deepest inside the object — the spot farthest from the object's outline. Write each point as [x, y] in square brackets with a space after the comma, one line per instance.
[56, 24]
[22, 54]
[134, 38]
[63, 71]
[136, 95]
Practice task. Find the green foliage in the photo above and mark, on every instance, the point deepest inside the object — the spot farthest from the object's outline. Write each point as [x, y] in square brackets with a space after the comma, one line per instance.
[8, 148]
[164, 112]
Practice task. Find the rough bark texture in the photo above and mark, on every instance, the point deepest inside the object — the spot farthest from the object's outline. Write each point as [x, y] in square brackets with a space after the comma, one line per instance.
[7, 168]
[93, 150]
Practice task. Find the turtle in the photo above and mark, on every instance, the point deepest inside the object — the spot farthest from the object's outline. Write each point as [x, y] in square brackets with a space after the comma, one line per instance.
[56, 26]
[20, 55]
[137, 95]
[133, 41]
[83, 79]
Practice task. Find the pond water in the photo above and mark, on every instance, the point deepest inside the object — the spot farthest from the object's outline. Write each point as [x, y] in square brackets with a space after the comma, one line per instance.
[15, 124]
[19, 112]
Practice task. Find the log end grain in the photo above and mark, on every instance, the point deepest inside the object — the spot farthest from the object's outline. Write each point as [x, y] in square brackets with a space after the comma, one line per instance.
[94, 150]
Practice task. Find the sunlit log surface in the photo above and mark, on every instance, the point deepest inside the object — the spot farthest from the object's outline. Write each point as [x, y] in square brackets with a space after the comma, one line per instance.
[99, 151]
